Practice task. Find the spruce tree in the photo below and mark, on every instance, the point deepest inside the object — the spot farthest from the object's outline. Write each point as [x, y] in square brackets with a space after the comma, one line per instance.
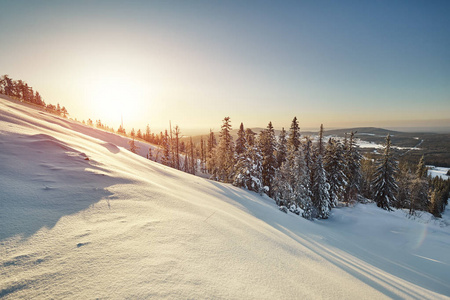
[225, 153]
[166, 160]
[250, 137]
[241, 170]
[320, 186]
[294, 135]
[309, 165]
[385, 185]
[210, 153]
[404, 183]
[267, 144]
[367, 171]
[133, 147]
[421, 171]
[281, 148]
[419, 188]
[321, 198]
[150, 153]
[240, 141]
[334, 165]
[353, 170]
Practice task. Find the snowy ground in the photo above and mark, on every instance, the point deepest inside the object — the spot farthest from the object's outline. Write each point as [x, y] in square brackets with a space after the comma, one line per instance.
[438, 171]
[82, 217]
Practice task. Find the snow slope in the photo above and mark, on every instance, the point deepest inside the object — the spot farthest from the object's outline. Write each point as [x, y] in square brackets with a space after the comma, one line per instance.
[82, 217]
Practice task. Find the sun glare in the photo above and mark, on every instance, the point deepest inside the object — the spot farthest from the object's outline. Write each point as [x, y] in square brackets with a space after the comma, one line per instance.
[113, 98]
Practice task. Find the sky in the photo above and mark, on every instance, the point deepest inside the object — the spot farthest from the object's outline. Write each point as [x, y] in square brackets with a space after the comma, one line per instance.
[340, 63]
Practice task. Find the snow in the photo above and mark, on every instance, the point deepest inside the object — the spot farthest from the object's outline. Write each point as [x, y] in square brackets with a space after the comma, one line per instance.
[82, 217]
[438, 171]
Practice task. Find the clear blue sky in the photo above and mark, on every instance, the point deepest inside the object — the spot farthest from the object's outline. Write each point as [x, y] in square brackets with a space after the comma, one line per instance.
[341, 63]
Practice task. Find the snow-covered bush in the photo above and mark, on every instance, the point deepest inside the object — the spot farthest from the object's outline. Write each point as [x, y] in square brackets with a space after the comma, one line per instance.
[283, 209]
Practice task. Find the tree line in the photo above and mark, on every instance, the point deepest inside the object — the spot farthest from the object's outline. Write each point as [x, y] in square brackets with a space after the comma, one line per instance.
[302, 174]
[20, 90]
[306, 175]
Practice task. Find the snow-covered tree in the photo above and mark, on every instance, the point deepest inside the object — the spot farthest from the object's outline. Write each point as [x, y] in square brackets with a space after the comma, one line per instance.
[210, 153]
[248, 172]
[240, 141]
[309, 162]
[385, 185]
[225, 153]
[294, 135]
[250, 137]
[321, 197]
[281, 148]
[367, 172]
[421, 171]
[352, 170]
[291, 182]
[267, 144]
[133, 147]
[241, 168]
[404, 184]
[334, 165]
[166, 160]
[150, 153]
[320, 186]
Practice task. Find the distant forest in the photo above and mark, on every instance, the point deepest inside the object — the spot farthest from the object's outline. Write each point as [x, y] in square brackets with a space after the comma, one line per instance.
[306, 176]
[20, 90]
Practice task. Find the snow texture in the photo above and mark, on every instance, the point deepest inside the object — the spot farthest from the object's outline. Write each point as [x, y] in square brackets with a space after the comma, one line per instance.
[81, 217]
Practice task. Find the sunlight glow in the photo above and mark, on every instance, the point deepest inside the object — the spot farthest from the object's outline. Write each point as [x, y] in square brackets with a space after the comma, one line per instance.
[113, 97]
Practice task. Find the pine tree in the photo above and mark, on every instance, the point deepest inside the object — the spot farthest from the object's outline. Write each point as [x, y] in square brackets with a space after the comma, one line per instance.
[320, 186]
[421, 171]
[353, 170]
[241, 168]
[248, 170]
[367, 171]
[404, 183]
[309, 163]
[192, 163]
[176, 145]
[64, 111]
[267, 144]
[240, 141]
[166, 150]
[150, 153]
[435, 204]
[133, 147]
[321, 197]
[281, 148]
[334, 165]
[147, 133]
[225, 153]
[210, 159]
[202, 155]
[294, 135]
[250, 137]
[254, 159]
[385, 185]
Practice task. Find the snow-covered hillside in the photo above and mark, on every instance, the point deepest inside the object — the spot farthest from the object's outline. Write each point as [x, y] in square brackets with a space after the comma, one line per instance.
[81, 218]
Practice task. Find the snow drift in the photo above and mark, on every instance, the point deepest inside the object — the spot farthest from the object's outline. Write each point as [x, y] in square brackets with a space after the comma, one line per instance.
[82, 217]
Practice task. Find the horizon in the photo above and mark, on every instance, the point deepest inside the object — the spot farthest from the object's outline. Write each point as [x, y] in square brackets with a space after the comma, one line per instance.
[343, 65]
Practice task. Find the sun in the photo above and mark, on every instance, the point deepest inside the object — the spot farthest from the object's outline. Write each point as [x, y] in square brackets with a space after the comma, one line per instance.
[114, 98]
